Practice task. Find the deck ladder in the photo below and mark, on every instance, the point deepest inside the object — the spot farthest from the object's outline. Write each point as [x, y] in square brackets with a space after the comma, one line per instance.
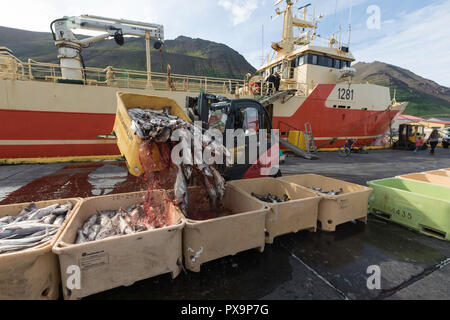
[310, 143]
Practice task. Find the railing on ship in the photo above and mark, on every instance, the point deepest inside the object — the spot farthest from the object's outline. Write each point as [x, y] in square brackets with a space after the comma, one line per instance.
[121, 78]
[13, 68]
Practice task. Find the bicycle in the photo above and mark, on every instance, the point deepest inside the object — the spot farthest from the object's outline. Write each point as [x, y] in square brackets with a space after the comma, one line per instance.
[352, 146]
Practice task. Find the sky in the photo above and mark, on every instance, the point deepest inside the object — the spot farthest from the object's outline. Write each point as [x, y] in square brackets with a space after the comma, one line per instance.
[413, 34]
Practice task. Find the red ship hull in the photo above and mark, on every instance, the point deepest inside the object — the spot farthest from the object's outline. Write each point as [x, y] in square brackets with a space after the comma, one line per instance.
[331, 127]
[46, 134]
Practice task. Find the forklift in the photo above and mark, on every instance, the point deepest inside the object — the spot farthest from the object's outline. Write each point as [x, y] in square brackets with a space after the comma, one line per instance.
[407, 134]
[221, 113]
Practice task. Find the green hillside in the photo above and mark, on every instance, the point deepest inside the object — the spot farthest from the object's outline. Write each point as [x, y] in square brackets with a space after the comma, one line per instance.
[426, 98]
[185, 55]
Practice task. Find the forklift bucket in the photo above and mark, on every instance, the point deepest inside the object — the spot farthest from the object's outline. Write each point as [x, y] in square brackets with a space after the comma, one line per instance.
[128, 143]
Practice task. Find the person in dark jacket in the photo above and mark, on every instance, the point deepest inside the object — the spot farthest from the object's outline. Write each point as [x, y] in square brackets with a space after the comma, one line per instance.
[433, 140]
[277, 81]
[271, 82]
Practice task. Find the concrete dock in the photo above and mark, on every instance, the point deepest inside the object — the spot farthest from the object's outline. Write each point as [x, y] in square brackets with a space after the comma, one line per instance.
[297, 266]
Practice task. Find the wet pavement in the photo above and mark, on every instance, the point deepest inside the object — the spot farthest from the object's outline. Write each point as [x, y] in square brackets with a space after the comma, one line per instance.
[297, 266]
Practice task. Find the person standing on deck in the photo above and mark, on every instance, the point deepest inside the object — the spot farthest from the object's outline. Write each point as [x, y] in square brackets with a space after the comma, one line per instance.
[433, 140]
[271, 82]
[277, 81]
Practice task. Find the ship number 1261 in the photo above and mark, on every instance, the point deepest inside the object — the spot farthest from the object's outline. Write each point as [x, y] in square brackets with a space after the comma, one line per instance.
[345, 94]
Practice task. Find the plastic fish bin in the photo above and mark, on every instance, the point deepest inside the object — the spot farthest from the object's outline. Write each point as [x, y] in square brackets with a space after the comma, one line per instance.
[288, 217]
[120, 260]
[127, 141]
[32, 274]
[335, 210]
[442, 173]
[428, 178]
[208, 240]
[417, 205]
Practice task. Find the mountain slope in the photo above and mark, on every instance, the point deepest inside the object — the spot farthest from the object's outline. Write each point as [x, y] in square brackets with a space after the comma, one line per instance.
[185, 55]
[425, 97]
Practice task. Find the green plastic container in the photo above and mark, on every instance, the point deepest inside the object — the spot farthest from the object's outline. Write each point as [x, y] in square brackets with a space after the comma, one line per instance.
[420, 206]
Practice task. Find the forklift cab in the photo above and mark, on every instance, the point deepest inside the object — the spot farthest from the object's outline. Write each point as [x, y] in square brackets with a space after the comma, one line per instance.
[407, 135]
[245, 117]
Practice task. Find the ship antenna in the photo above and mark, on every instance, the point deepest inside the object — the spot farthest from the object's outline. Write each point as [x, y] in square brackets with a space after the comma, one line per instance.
[262, 46]
[350, 24]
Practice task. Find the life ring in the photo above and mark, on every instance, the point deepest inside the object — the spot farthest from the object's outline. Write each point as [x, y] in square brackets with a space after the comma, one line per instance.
[255, 88]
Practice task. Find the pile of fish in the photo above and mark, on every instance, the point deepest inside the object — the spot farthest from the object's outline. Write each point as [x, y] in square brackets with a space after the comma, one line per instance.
[157, 126]
[32, 227]
[330, 193]
[107, 224]
[270, 198]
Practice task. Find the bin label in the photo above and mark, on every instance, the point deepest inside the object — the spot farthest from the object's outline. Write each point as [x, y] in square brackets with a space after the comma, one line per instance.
[90, 260]
[344, 203]
[402, 213]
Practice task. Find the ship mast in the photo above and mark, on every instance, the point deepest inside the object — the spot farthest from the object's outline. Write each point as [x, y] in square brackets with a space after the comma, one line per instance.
[288, 42]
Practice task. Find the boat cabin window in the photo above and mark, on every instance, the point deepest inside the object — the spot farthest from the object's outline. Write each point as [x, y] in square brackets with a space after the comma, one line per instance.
[276, 68]
[346, 64]
[298, 61]
[337, 63]
[318, 60]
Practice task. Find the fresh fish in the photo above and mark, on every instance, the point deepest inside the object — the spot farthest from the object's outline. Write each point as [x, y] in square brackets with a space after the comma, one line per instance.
[40, 213]
[16, 247]
[270, 198]
[93, 232]
[137, 130]
[211, 190]
[136, 215]
[21, 218]
[181, 191]
[28, 210]
[124, 227]
[106, 228]
[89, 223]
[60, 211]
[28, 240]
[69, 205]
[164, 135]
[219, 182]
[23, 232]
[6, 220]
[31, 227]
[187, 171]
[80, 237]
[204, 168]
[59, 220]
[49, 219]
[330, 193]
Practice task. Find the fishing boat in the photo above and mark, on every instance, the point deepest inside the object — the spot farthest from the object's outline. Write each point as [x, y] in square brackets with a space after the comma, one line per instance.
[323, 99]
[66, 111]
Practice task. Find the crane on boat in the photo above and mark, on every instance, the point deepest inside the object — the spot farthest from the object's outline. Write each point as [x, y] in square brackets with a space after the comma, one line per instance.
[70, 47]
